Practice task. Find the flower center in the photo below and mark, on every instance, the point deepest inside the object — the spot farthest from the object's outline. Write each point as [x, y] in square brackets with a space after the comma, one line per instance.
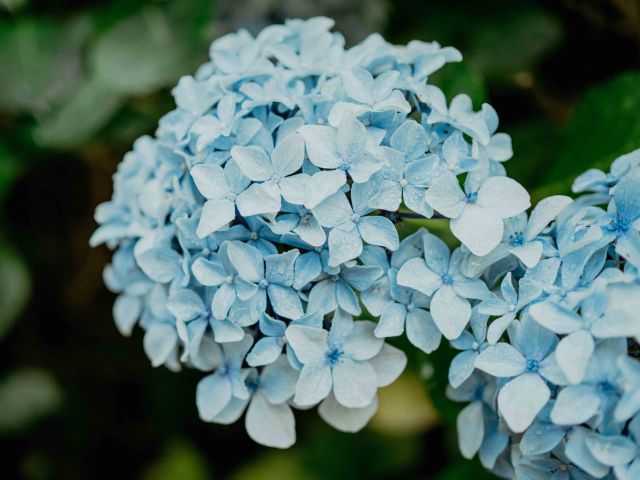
[472, 197]
[411, 307]
[355, 218]
[253, 236]
[517, 239]
[334, 355]
[606, 387]
[512, 308]
[618, 223]
[533, 366]
[335, 278]
[447, 279]
[231, 197]
[404, 183]
[344, 166]
[229, 279]
[264, 283]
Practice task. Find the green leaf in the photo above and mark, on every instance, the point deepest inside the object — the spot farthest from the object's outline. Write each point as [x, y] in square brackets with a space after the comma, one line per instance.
[179, 460]
[27, 395]
[514, 40]
[458, 78]
[41, 63]
[81, 117]
[13, 5]
[10, 168]
[605, 125]
[141, 54]
[15, 288]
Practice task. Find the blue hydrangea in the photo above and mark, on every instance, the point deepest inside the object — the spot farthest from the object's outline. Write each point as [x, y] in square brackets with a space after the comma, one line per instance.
[564, 316]
[260, 219]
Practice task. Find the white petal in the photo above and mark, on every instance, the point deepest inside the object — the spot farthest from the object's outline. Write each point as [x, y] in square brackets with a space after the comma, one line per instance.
[270, 425]
[450, 312]
[446, 196]
[520, 400]
[503, 196]
[479, 229]
[354, 383]
[346, 419]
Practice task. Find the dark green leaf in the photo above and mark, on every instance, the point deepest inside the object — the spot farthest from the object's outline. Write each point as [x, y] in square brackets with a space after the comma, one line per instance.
[605, 125]
[458, 78]
[41, 63]
[141, 54]
[79, 119]
[15, 288]
[25, 397]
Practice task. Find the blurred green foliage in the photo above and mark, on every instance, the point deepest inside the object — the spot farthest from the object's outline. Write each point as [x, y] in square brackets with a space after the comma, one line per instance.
[81, 79]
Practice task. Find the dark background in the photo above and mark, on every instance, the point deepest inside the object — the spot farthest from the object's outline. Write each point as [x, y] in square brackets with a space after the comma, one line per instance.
[80, 80]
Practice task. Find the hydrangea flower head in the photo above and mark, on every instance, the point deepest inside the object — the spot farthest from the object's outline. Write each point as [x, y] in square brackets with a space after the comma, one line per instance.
[259, 220]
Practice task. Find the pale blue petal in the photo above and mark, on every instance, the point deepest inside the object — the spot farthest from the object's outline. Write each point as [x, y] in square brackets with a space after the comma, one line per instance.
[310, 344]
[362, 344]
[270, 425]
[470, 426]
[391, 323]
[446, 197]
[288, 155]
[159, 342]
[247, 260]
[575, 404]
[378, 231]
[345, 419]
[451, 312]
[285, 301]
[226, 331]
[501, 360]
[612, 450]
[415, 274]
[573, 354]
[265, 351]
[389, 363]
[322, 185]
[344, 244]
[520, 400]
[314, 384]
[253, 162]
[258, 199]
[576, 450]
[213, 393]
[354, 383]
[461, 368]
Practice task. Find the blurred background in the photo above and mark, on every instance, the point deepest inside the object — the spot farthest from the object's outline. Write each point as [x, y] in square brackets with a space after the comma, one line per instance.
[80, 80]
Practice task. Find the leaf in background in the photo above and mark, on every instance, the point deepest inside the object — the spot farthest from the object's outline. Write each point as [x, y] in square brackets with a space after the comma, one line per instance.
[45, 63]
[404, 408]
[141, 54]
[179, 460]
[458, 78]
[605, 125]
[13, 5]
[10, 168]
[81, 117]
[274, 465]
[535, 144]
[512, 40]
[15, 288]
[26, 395]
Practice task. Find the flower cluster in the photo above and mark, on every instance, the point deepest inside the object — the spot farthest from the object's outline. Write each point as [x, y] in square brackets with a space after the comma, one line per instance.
[547, 363]
[251, 227]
